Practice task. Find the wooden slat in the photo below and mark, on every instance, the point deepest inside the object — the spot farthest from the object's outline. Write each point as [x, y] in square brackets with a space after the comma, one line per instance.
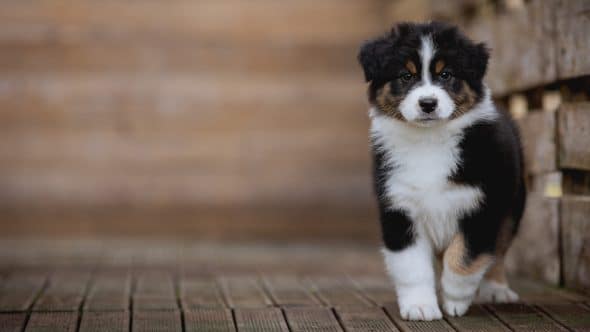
[201, 23]
[574, 133]
[408, 326]
[97, 321]
[213, 320]
[477, 319]
[572, 41]
[538, 131]
[12, 322]
[52, 321]
[312, 319]
[544, 262]
[155, 292]
[258, 320]
[575, 317]
[575, 231]
[534, 292]
[337, 292]
[370, 319]
[156, 321]
[288, 291]
[109, 293]
[244, 292]
[522, 317]
[65, 292]
[19, 291]
[523, 47]
[378, 289]
[200, 293]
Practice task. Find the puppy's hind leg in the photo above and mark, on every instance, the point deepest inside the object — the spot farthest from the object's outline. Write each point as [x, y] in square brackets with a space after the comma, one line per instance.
[462, 274]
[494, 286]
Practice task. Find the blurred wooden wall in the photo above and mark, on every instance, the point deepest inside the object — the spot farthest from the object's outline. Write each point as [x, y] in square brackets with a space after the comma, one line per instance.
[207, 119]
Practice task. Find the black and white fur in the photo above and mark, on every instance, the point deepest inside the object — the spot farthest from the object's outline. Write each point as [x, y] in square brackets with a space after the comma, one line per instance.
[448, 172]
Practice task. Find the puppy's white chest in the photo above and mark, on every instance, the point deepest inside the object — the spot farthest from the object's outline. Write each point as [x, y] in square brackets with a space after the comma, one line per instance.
[418, 184]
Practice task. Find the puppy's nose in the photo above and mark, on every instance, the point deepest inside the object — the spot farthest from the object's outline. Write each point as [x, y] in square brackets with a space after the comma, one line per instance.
[427, 104]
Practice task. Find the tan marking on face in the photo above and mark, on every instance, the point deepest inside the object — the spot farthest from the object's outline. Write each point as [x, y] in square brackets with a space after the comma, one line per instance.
[438, 67]
[464, 100]
[388, 103]
[410, 66]
[497, 272]
[455, 258]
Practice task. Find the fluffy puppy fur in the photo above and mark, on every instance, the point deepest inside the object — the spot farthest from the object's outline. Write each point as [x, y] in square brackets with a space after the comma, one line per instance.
[448, 169]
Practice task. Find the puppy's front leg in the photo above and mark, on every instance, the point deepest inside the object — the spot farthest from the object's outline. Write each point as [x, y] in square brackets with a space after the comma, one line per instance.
[462, 274]
[412, 272]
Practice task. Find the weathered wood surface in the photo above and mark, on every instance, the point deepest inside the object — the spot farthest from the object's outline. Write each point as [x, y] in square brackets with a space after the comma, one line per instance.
[539, 229]
[575, 225]
[537, 131]
[573, 45]
[523, 47]
[574, 135]
[247, 294]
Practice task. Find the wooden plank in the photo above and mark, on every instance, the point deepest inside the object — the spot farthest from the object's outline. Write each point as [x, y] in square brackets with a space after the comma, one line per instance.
[109, 293]
[575, 317]
[575, 226]
[369, 319]
[523, 47]
[288, 291]
[52, 321]
[522, 317]
[573, 45]
[200, 293]
[155, 292]
[378, 289]
[97, 321]
[477, 319]
[12, 322]
[65, 292]
[18, 291]
[260, 319]
[408, 326]
[208, 319]
[538, 137]
[337, 292]
[543, 263]
[534, 292]
[153, 320]
[201, 23]
[244, 292]
[312, 319]
[574, 133]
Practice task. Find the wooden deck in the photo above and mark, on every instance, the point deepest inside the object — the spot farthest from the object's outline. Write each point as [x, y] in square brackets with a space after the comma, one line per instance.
[149, 286]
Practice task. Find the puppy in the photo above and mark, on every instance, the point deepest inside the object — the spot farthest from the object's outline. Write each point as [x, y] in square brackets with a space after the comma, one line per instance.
[448, 169]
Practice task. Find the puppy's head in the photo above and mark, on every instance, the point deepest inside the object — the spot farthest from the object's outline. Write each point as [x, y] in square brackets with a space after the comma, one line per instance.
[424, 73]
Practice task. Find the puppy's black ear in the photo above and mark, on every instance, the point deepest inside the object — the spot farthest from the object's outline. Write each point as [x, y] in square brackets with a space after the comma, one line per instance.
[372, 56]
[479, 57]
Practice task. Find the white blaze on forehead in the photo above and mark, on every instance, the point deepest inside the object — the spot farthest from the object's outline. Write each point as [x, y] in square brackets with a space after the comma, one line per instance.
[427, 51]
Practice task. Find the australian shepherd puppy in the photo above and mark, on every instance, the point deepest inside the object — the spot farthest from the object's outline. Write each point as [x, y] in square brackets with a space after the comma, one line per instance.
[448, 169]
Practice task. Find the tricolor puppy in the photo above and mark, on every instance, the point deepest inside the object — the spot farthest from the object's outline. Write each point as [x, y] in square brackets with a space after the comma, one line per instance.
[448, 169]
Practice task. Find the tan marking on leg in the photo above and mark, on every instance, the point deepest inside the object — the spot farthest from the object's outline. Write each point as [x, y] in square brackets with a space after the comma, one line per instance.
[411, 67]
[456, 255]
[438, 67]
[497, 272]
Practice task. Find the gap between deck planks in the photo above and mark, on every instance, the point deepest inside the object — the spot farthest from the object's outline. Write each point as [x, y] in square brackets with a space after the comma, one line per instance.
[163, 301]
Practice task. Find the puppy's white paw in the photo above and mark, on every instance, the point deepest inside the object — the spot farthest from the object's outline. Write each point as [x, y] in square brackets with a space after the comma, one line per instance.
[420, 312]
[456, 308]
[493, 292]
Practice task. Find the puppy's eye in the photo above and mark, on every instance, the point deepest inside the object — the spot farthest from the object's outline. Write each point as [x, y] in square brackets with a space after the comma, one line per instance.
[445, 75]
[406, 77]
